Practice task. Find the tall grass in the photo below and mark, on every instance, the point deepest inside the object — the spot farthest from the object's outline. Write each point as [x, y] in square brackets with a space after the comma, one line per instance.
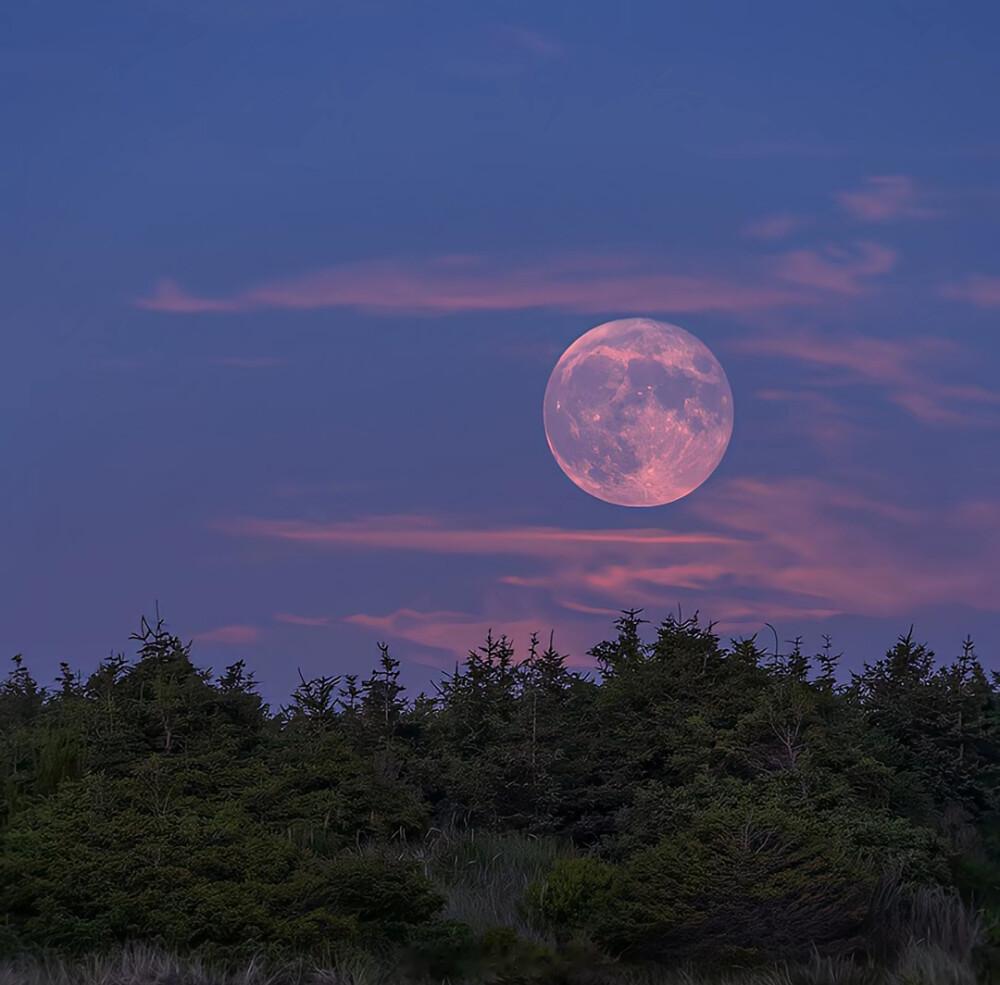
[140, 965]
[483, 875]
[927, 920]
[135, 965]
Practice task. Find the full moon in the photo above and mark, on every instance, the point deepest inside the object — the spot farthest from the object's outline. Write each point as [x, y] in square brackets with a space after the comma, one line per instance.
[638, 412]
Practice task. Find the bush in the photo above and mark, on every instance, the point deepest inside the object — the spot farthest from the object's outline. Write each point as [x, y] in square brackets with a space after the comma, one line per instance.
[739, 885]
[386, 895]
[101, 863]
[574, 895]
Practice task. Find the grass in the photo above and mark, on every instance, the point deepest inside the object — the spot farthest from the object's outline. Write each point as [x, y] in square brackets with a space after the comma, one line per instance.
[484, 876]
[141, 965]
[481, 874]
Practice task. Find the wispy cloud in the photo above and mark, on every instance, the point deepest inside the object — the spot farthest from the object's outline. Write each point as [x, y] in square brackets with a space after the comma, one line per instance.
[169, 296]
[836, 269]
[458, 632]
[806, 549]
[582, 283]
[292, 619]
[859, 553]
[883, 198]
[231, 635]
[432, 536]
[796, 546]
[910, 372]
[462, 284]
[977, 289]
[774, 227]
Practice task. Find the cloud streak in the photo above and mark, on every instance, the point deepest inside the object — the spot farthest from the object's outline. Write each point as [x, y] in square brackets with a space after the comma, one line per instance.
[884, 198]
[232, 635]
[835, 269]
[429, 535]
[977, 289]
[456, 632]
[773, 227]
[292, 619]
[909, 371]
[577, 283]
[797, 547]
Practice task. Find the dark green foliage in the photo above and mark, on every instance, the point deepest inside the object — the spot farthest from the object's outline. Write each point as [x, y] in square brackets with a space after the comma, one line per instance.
[443, 949]
[577, 894]
[740, 883]
[697, 802]
[166, 807]
[156, 857]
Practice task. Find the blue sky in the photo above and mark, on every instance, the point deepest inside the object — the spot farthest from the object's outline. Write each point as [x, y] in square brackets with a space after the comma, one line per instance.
[283, 284]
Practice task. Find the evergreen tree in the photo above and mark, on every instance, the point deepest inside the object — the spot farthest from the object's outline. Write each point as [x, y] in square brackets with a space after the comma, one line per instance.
[726, 801]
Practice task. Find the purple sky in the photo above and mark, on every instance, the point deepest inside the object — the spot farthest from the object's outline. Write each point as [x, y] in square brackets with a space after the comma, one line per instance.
[283, 284]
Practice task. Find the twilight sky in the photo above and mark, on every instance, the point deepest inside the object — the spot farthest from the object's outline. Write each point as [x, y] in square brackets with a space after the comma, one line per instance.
[283, 282]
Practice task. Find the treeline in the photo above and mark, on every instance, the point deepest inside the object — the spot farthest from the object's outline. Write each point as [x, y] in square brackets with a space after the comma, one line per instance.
[715, 802]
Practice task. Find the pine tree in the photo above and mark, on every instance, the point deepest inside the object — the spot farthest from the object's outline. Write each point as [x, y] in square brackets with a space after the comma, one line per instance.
[828, 663]
[797, 663]
[237, 679]
[314, 703]
[381, 701]
[626, 650]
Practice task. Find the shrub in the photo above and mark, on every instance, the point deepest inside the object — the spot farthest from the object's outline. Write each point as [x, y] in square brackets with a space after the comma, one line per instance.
[738, 885]
[573, 895]
[101, 863]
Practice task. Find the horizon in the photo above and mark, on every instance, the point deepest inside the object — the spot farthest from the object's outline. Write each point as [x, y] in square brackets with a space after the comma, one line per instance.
[422, 679]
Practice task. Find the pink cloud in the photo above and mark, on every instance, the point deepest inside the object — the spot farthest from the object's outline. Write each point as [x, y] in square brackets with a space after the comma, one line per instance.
[795, 546]
[773, 227]
[456, 284]
[854, 552]
[835, 269]
[910, 371]
[292, 619]
[806, 549]
[878, 360]
[171, 297]
[982, 291]
[883, 198]
[579, 283]
[458, 632]
[235, 634]
[426, 534]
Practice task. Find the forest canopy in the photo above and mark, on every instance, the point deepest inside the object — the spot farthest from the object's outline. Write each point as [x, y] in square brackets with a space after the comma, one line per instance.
[691, 801]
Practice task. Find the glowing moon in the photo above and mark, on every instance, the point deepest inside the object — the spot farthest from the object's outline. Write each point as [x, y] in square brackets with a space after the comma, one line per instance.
[638, 412]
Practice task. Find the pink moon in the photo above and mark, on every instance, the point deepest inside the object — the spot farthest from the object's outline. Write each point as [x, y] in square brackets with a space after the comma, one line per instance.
[638, 412]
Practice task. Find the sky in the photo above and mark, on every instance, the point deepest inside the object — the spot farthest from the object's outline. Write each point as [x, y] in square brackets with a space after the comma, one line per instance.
[283, 284]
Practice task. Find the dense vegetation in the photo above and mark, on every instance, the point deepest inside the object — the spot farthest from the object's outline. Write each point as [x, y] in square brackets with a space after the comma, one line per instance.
[692, 804]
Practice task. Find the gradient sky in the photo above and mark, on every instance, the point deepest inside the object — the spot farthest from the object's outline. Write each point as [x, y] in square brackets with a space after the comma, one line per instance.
[283, 282]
